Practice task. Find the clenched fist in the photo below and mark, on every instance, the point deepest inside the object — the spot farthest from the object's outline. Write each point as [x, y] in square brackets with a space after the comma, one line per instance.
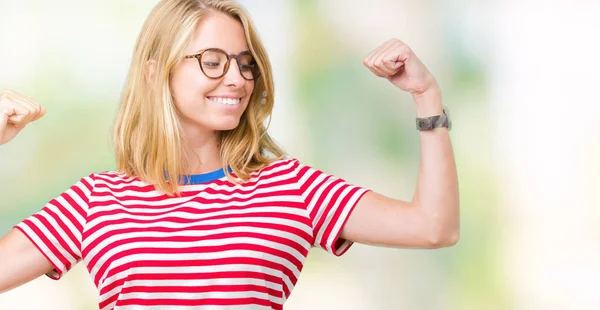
[16, 111]
[397, 62]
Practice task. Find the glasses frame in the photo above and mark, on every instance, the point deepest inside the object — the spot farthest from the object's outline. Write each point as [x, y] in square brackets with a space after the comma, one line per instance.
[237, 57]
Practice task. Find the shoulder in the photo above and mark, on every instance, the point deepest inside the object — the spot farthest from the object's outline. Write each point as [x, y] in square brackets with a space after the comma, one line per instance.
[113, 179]
[285, 167]
[291, 169]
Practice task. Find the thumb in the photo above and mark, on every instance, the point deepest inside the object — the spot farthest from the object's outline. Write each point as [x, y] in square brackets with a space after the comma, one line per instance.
[393, 62]
[18, 119]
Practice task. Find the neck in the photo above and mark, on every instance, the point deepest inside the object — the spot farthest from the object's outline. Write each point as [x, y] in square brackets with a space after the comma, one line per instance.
[202, 152]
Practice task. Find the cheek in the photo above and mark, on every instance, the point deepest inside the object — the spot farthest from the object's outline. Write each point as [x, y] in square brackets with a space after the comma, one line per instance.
[187, 84]
[249, 89]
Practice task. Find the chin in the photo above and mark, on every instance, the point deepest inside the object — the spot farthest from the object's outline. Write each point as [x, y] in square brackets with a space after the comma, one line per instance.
[226, 125]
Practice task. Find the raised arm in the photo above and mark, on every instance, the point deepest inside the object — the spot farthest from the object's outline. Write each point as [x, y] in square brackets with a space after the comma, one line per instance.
[20, 260]
[431, 219]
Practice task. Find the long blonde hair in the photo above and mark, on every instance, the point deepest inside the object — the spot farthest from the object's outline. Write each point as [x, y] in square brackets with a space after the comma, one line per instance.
[147, 136]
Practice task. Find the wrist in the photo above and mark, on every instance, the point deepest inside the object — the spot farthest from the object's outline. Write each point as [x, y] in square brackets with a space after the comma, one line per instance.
[429, 102]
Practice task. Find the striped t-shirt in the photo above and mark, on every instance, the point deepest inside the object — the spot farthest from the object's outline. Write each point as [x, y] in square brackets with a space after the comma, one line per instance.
[220, 245]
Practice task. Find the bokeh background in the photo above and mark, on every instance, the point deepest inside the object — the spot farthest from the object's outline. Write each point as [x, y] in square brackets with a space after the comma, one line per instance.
[520, 79]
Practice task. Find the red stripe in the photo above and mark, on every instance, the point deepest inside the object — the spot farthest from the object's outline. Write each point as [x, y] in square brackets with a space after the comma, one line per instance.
[195, 302]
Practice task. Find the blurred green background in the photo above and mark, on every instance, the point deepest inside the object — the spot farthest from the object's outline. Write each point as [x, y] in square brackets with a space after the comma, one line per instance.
[510, 76]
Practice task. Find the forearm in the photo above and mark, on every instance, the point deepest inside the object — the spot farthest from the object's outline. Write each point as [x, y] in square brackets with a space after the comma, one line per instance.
[436, 193]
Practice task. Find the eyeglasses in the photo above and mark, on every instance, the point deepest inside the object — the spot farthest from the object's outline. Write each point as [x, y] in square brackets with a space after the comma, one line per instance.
[215, 63]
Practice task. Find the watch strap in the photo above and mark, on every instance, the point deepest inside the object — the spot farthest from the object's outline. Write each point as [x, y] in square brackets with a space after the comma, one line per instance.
[429, 123]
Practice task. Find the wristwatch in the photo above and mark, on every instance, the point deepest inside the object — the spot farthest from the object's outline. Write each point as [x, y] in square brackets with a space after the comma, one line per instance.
[429, 123]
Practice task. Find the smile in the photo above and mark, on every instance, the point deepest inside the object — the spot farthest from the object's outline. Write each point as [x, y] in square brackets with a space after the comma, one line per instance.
[225, 101]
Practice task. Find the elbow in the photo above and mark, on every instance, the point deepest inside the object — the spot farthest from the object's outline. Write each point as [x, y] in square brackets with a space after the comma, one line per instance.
[442, 236]
[444, 240]
[443, 230]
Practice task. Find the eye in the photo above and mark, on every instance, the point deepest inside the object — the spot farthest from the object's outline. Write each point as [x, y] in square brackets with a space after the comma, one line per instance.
[247, 67]
[211, 64]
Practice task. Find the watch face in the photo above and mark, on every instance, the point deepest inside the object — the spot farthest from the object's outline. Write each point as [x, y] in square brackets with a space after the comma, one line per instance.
[424, 124]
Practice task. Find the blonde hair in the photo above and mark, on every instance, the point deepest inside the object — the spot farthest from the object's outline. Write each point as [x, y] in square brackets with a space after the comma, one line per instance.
[148, 141]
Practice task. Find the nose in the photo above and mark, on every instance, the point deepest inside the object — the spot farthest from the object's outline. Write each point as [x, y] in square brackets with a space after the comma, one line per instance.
[233, 76]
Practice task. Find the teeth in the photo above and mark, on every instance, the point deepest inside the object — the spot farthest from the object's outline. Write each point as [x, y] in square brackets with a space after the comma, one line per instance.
[227, 101]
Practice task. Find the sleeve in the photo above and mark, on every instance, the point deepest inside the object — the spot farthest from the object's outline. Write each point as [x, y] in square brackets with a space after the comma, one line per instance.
[57, 228]
[329, 201]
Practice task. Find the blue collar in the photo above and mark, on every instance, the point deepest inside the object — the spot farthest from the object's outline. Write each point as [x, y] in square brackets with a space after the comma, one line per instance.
[203, 177]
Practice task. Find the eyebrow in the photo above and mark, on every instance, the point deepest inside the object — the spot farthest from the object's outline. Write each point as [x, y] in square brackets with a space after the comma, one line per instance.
[203, 49]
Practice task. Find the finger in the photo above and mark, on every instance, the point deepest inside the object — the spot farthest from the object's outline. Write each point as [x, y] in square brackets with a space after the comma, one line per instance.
[27, 109]
[370, 59]
[371, 63]
[40, 114]
[385, 63]
[37, 111]
[18, 113]
[398, 56]
[393, 59]
[376, 72]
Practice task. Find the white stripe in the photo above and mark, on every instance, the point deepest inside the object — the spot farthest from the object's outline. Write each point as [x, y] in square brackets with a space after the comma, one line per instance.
[196, 296]
[205, 282]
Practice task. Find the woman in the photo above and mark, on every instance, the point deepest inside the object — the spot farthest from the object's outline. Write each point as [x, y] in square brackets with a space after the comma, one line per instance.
[205, 209]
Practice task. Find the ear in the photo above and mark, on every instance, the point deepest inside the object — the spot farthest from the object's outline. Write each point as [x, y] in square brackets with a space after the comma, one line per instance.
[150, 70]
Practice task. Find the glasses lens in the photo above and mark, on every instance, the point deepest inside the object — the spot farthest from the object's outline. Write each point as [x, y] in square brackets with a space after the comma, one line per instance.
[213, 63]
[248, 67]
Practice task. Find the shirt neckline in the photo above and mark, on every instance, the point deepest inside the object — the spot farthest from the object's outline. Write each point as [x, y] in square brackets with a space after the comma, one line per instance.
[200, 178]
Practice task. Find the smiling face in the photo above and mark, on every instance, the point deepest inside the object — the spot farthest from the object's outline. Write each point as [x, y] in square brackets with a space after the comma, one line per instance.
[208, 105]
